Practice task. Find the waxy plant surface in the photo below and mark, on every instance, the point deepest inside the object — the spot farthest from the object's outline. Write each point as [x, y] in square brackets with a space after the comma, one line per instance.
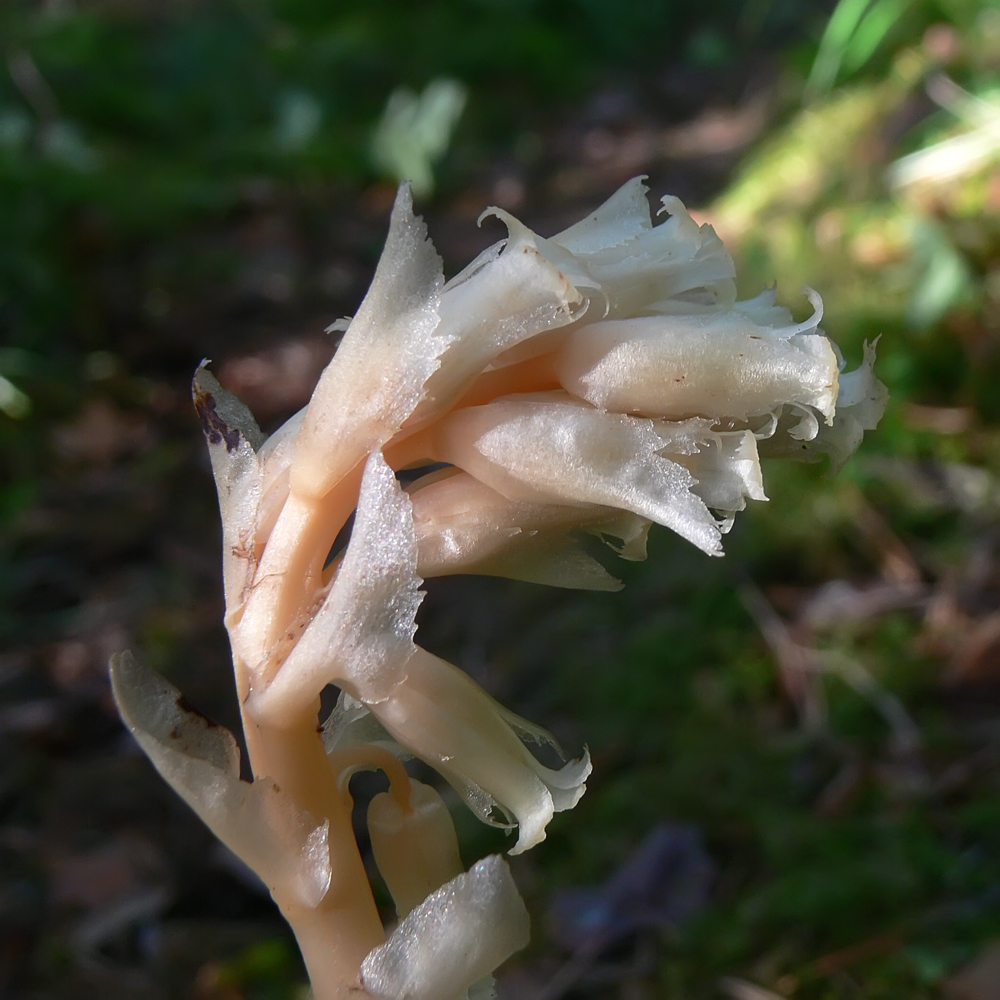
[592, 383]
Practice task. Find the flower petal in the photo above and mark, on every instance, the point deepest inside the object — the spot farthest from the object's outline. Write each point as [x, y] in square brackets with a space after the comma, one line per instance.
[258, 822]
[545, 452]
[350, 724]
[725, 464]
[376, 378]
[463, 526]
[233, 439]
[456, 936]
[444, 718]
[676, 266]
[511, 298]
[621, 219]
[860, 405]
[719, 364]
[362, 635]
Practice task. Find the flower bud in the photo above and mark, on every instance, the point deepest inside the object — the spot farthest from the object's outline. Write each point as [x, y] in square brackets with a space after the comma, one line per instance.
[415, 845]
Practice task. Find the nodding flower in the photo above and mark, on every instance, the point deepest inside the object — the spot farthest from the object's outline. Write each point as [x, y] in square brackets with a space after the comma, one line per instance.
[591, 383]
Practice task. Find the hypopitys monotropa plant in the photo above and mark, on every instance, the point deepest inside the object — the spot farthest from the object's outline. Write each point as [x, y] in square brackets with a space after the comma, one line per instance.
[592, 383]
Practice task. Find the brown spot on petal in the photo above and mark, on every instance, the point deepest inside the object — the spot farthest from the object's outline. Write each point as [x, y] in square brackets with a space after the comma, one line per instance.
[185, 706]
[216, 429]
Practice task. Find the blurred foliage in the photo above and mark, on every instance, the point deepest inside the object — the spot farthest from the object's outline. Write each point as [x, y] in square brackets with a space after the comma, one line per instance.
[825, 201]
[852, 864]
[414, 132]
[121, 119]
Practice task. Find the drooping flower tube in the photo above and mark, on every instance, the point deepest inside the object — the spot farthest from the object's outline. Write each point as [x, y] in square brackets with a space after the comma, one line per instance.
[592, 383]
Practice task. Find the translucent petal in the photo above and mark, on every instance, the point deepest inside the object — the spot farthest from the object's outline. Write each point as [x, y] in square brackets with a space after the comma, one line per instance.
[627, 534]
[450, 723]
[861, 392]
[478, 262]
[453, 939]
[563, 452]
[718, 364]
[725, 465]
[623, 217]
[376, 378]
[350, 724]
[362, 634]
[282, 843]
[463, 526]
[764, 310]
[629, 267]
[862, 401]
[510, 298]
[674, 262]
[362, 640]
[481, 989]
[553, 560]
[233, 437]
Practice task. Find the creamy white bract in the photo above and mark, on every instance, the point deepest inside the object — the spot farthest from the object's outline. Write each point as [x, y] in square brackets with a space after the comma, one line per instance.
[593, 383]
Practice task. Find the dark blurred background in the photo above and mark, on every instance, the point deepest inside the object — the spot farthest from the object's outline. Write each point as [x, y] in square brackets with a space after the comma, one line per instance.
[796, 787]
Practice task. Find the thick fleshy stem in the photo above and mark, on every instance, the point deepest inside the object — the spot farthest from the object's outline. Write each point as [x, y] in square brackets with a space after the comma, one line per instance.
[336, 935]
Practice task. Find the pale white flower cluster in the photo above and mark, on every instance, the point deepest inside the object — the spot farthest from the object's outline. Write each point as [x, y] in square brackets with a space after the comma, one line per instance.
[592, 383]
